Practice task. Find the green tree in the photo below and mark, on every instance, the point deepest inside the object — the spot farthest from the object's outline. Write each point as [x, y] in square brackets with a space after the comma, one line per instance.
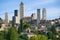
[2, 36]
[53, 29]
[49, 34]
[5, 34]
[20, 29]
[39, 37]
[12, 34]
[59, 36]
[22, 37]
[27, 26]
[52, 32]
[0, 21]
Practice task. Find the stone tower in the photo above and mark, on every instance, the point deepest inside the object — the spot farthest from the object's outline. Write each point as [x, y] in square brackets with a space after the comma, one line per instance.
[21, 10]
[44, 14]
[38, 16]
[6, 19]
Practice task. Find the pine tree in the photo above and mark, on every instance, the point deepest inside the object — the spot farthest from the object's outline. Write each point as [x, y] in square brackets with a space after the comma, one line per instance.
[53, 31]
[20, 29]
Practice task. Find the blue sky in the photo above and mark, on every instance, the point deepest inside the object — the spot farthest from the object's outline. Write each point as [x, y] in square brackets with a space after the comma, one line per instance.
[31, 6]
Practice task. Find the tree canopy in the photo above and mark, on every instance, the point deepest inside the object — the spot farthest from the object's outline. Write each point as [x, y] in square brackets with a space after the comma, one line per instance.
[13, 35]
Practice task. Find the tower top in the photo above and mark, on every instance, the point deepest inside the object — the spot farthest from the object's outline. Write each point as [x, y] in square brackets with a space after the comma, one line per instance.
[21, 3]
[44, 8]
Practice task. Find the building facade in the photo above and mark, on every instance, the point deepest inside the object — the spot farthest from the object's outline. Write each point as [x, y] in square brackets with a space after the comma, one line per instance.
[6, 19]
[32, 16]
[38, 16]
[44, 14]
[16, 12]
[21, 10]
[16, 18]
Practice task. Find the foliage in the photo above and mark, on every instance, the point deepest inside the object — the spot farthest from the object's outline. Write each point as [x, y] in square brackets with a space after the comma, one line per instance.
[23, 37]
[23, 26]
[59, 36]
[13, 35]
[36, 32]
[49, 34]
[20, 29]
[39, 37]
[27, 26]
[1, 36]
[1, 19]
[54, 37]
[53, 30]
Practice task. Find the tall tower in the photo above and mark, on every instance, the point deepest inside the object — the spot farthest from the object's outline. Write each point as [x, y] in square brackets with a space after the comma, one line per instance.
[38, 16]
[16, 17]
[15, 12]
[21, 10]
[6, 19]
[32, 16]
[44, 14]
